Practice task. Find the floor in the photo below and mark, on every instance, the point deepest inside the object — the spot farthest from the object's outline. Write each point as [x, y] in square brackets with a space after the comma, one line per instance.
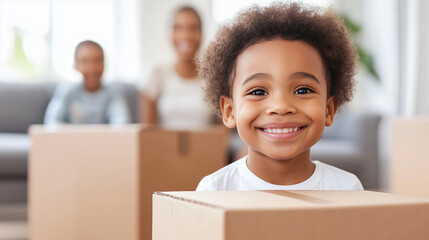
[13, 221]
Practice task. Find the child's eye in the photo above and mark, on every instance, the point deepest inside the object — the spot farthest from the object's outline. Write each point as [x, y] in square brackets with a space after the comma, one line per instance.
[258, 92]
[304, 90]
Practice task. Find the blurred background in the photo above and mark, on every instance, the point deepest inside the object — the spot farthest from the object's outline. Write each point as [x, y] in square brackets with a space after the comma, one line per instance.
[38, 37]
[37, 40]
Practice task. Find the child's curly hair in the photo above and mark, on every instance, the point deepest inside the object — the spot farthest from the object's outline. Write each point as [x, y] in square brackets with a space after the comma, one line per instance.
[290, 21]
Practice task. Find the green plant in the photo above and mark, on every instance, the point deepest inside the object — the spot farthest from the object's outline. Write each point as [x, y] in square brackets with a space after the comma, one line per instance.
[18, 58]
[365, 58]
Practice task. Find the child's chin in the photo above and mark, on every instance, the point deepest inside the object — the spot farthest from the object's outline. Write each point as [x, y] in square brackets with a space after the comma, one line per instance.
[281, 157]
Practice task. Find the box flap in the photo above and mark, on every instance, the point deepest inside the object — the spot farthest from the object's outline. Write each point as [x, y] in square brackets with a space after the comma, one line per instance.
[86, 128]
[262, 200]
[91, 128]
[201, 129]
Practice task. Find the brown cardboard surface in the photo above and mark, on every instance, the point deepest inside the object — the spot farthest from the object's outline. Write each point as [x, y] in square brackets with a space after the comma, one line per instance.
[410, 156]
[96, 182]
[294, 215]
[289, 199]
[196, 154]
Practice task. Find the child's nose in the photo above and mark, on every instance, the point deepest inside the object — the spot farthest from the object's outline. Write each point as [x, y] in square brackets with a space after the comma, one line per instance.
[280, 105]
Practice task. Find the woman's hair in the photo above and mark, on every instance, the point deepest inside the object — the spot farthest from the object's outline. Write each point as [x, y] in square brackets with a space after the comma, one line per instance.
[322, 29]
[187, 8]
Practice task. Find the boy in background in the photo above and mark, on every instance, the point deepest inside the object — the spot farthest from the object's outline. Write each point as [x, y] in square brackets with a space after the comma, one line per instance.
[89, 102]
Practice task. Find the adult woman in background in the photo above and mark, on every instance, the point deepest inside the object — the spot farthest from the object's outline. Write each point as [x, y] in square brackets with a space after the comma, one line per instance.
[173, 95]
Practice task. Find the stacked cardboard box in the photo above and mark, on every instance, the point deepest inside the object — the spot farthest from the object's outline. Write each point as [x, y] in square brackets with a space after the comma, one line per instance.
[96, 182]
[410, 156]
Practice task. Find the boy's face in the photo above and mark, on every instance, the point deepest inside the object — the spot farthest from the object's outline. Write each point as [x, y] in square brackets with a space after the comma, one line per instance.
[90, 62]
[186, 35]
[279, 99]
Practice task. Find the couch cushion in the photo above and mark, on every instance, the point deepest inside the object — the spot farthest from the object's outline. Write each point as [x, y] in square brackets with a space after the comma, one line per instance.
[343, 154]
[130, 93]
[22, 105]
[335, 149]
[14, 148]
[13, 191]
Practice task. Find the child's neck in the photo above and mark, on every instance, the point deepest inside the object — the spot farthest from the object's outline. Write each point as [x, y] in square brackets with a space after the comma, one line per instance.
[281, 172]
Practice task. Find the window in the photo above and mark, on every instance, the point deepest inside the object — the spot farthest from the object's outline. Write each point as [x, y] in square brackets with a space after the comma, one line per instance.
[38, 37]
[24, 35]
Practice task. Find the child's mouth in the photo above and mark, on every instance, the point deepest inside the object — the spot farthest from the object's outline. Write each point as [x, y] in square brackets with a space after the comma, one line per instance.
[282, 133]
[282, 130]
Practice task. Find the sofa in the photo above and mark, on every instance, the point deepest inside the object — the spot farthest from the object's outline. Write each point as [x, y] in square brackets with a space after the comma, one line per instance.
[351, 143]
[20, 106]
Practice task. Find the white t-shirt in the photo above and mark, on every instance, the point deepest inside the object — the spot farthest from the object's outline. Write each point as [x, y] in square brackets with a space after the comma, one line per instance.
[180, 102]
[238, 177]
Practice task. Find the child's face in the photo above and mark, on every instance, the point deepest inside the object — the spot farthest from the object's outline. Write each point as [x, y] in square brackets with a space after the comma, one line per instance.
[90, 62]
[279, 99]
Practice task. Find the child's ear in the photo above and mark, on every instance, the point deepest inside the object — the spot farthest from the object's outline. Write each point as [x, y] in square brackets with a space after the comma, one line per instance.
[331, 109]
[227, 108]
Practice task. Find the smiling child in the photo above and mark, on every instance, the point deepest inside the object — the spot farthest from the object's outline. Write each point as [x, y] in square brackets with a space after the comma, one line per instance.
[279, 74]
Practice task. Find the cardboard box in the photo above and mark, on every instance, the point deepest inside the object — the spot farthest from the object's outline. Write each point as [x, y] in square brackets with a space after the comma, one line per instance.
[297, 215]
[409, 172]
[96, 182]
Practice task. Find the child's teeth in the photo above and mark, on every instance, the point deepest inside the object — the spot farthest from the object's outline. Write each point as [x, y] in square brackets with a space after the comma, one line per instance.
[281, 130]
